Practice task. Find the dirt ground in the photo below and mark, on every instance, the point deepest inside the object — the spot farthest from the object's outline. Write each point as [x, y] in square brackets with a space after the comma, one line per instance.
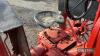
[26, 9]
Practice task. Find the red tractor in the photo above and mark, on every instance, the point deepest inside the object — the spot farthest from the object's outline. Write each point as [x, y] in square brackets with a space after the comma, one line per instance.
[74, 31]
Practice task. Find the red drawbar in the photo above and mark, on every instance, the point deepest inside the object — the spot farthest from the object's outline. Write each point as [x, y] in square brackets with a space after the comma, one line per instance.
[94, 34]
[94, 39]
[97, 49]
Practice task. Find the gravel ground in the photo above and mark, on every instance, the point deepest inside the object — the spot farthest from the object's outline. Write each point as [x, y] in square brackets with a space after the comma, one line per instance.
[26, 9]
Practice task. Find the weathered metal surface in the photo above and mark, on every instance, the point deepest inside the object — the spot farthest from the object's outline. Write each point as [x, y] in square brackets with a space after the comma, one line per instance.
[19, 41]
[8, 19]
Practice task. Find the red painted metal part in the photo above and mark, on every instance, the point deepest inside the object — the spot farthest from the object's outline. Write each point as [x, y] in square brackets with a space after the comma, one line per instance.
[72, 28]
[94, 40]
[97, 48]
[54, 52]
[3, 50]
[98, 0]
[38, 51]
[47, 47]
[53, 36]
[95, 30]
[94, 34]
[55, 42]
[83, 24]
